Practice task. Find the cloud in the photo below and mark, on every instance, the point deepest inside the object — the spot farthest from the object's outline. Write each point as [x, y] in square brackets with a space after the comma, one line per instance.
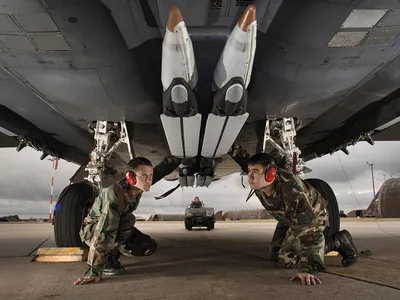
[385, 155]
[25, 182]
[349, 175]
[24, 208]
[24, 176]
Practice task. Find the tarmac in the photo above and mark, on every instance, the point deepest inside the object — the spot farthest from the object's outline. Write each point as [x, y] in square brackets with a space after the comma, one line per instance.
[228, 262]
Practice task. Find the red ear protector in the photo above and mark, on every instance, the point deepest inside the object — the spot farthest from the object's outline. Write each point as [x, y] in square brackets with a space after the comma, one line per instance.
[131, 178]
[270, 173]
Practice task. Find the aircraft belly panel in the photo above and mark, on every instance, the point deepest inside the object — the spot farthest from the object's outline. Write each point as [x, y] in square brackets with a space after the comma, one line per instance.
[7, 141]
[126, 92]
[78, 93]
[40, 114]
[382, 84]
[323, 75]
[313, 98]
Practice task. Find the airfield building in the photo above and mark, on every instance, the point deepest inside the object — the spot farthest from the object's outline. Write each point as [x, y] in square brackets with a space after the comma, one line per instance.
[386, 203]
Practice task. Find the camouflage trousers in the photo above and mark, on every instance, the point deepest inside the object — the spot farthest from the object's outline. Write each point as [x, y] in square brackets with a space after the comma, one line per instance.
[129, 241]
[299, 246]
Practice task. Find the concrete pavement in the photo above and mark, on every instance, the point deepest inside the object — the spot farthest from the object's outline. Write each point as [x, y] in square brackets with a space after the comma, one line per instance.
[225, 263]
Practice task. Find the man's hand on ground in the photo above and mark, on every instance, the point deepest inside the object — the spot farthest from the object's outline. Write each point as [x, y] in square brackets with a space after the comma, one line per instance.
[306, 278]
[87, 279]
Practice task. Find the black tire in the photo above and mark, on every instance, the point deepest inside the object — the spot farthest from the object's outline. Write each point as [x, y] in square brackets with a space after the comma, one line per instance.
[72, 207]
[333, 207]
[189, 224]
[210, 224]
[186, 223]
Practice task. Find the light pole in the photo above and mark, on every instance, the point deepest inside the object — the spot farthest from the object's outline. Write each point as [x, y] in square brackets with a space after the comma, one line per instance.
[371, 164]
[55, 166]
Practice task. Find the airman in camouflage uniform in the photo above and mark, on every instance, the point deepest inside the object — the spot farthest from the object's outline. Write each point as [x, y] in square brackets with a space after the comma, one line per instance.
[196, 203]
[302, 217]
[109, 228]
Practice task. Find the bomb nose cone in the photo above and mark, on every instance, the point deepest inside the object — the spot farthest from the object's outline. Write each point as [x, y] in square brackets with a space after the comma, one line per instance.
[174, 18]
[248, 17]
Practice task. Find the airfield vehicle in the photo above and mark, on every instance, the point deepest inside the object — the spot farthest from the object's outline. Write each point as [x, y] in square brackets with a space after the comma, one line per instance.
[199, 217]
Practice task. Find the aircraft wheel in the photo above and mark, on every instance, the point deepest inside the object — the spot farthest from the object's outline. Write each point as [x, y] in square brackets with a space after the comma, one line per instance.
[333, 207]
[72, 207]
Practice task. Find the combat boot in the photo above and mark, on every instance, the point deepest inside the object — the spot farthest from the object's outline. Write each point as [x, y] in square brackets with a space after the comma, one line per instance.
[342, 242]
[113, 267]
[273, 253]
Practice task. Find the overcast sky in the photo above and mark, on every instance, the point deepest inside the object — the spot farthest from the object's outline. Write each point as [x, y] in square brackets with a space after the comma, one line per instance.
[25, 182]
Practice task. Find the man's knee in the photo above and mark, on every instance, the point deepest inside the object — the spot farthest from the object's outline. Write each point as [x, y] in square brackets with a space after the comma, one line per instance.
[127, 222]
[141, 244]
[289, 251]
[130, 218]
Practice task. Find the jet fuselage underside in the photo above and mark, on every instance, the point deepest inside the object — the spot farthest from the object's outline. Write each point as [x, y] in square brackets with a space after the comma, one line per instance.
[65, 64]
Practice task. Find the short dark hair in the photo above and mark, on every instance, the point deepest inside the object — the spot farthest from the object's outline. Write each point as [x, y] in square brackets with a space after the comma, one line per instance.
[138, 161]
[261, 158]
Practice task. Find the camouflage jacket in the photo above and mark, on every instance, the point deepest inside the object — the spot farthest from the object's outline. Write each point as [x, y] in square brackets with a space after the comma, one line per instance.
[297, 206]
[196, 205]
[100, 227]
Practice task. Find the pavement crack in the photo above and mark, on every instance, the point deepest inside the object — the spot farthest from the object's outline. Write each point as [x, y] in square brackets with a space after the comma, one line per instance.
[363, 280]
[262, 258]
[380, 260]
[12, 256]
[38, 246]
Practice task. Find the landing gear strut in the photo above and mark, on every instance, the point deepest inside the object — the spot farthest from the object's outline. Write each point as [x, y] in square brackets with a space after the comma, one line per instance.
[76, 199]
[281, 133]
[108, 136]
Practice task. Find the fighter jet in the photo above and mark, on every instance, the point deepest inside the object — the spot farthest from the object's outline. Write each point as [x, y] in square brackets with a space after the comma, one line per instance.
[97, 82]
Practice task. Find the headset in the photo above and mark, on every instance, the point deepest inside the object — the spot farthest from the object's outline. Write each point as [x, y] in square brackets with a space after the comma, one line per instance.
[129, 180]
[270, 173]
